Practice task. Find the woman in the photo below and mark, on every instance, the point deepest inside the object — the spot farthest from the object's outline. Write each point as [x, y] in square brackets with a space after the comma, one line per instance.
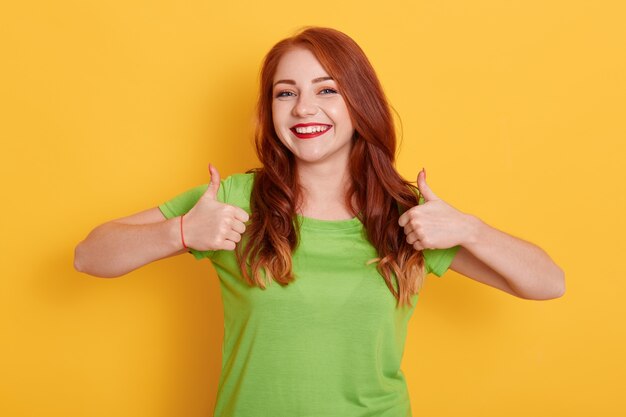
[322, 251]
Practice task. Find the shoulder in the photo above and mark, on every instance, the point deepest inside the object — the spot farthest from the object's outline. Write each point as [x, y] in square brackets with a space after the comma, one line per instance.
[240, 180]
[237, 189]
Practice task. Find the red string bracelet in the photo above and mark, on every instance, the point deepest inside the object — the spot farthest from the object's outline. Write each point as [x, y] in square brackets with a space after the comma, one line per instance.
[182, 237]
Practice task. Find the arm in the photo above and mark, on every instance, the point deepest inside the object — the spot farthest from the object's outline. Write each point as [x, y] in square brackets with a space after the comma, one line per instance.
[123, 245]
[510, 264]
[487, 255]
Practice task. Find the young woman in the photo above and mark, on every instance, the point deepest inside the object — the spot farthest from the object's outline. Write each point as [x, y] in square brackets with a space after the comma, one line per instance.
[321, 252]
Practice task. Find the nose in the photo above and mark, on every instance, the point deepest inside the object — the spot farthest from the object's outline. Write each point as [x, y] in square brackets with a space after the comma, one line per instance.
[305, 106]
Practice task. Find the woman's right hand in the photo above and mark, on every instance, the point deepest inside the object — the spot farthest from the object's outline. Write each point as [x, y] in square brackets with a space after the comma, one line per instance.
[212, 225]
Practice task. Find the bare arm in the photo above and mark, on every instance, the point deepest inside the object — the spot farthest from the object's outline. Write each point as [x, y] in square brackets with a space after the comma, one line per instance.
[487, 254]
[123, 245]
[513, 265]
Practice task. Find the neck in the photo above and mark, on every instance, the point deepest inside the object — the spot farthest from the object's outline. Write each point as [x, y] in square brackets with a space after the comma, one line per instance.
[324, 187]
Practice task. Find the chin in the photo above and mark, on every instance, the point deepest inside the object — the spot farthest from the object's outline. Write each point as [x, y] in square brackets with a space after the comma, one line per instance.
[308, 158]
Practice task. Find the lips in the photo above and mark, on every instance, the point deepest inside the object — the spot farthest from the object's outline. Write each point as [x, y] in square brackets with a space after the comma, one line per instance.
[309, 130]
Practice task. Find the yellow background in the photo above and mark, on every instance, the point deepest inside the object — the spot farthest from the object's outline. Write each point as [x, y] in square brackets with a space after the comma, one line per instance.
[516, 109]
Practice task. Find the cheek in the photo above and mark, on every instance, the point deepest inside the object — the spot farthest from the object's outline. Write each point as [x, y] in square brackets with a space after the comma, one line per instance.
[340, 115]
[278, 116]
[343, 121]
[276, 121]
[279, 127]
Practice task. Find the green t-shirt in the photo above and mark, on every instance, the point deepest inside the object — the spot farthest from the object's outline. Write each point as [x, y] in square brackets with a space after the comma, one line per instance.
[328, 344]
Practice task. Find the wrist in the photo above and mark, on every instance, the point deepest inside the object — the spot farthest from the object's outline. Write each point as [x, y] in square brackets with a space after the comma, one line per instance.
[473, 227]
[173, 234]
[182, 232]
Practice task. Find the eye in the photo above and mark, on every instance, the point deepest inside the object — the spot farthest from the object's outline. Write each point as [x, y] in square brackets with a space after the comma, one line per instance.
[284, 94]
[328, 91]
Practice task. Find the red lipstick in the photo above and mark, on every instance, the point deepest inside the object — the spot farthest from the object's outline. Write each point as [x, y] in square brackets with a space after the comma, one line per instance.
[325, 128]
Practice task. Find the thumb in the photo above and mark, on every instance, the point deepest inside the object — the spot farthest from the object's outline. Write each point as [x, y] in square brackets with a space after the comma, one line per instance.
[424, 189]
[214, 185]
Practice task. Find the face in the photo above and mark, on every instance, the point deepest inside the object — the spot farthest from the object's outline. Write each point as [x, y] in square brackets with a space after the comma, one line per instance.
[310, 115]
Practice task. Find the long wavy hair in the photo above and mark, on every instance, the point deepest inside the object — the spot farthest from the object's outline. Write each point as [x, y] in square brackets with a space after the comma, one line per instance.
[379, 192]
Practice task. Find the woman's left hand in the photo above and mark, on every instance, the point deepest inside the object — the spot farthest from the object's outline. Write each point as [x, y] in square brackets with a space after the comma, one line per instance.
[434, 224]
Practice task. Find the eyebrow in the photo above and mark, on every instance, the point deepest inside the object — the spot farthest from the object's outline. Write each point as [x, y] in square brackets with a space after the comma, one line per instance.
[313, 81]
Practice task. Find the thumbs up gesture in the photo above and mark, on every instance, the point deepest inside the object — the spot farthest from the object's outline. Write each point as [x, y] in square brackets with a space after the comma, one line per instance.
[212, 225]
[434, 224]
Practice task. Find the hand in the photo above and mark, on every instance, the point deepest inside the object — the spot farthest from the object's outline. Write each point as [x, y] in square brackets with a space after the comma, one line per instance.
[212, 225]
[434, 224]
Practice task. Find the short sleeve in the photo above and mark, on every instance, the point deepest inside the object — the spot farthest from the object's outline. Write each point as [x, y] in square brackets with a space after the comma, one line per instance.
[437, 261]
[184, 202]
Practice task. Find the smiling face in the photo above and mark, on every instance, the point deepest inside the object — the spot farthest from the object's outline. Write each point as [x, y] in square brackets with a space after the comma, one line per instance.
[310, 116]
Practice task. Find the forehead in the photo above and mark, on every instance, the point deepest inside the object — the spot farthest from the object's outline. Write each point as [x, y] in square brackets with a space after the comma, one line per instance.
[299, 64]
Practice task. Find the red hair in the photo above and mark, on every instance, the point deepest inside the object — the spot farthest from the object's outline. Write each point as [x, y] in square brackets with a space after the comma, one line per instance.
[380, 193]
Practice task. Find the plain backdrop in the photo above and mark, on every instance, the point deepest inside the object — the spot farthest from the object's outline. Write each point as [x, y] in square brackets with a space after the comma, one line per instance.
[515, 108]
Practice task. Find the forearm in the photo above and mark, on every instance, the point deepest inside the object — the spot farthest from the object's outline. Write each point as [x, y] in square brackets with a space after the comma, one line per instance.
[114, 249]
[527, 268]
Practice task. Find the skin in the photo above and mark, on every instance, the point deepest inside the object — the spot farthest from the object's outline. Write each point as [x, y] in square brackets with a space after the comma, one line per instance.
[486, 255]
[147, 236]
[322, 162]
[212, 225]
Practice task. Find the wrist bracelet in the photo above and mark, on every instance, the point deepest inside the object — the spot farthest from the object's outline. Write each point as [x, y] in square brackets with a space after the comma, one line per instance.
[182, 236]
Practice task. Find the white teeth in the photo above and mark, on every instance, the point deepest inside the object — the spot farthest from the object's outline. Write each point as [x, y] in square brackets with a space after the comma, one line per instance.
[311, 129]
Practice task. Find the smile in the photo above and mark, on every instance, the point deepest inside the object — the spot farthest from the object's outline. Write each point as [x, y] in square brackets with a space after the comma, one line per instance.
[310, 130]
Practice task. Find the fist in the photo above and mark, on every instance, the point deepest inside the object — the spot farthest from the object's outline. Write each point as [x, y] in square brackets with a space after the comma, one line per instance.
[212, 225]
[434, 224]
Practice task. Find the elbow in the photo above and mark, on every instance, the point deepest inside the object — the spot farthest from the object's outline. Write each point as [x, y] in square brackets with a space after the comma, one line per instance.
[552, 295]
[555, 290]
[78, 260]
[558, 286]
[81, 264]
